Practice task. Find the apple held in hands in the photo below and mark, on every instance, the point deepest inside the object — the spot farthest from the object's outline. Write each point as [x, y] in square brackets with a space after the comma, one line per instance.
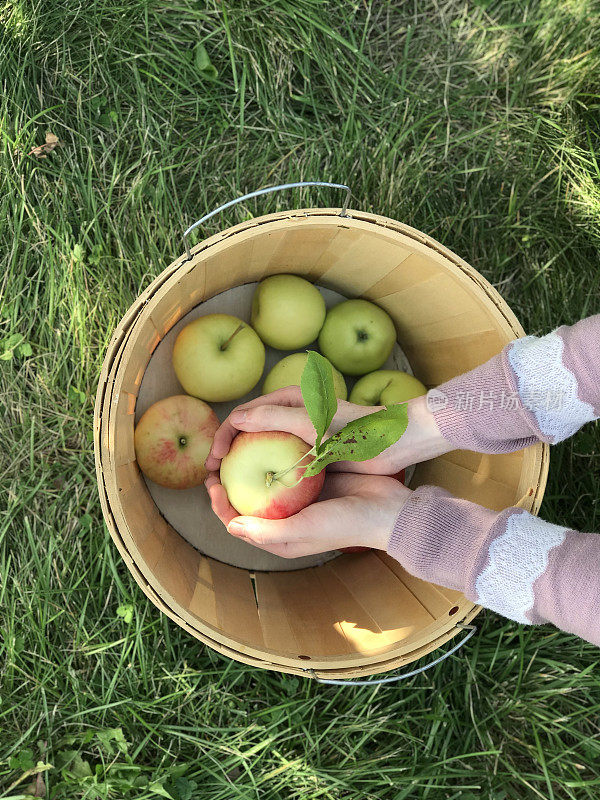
[287, 311]
[357, 336]
[386, 386]
[218, 358]
[288, 372]
[172, 440]
[248, 469]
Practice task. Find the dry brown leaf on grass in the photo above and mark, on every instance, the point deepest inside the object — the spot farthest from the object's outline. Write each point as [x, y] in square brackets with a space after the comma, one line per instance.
[38, 786]
[42, 150]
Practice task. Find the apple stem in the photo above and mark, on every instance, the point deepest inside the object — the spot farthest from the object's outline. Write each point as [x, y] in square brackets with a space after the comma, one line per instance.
[225, 344]
[293, 485]
[282, 473]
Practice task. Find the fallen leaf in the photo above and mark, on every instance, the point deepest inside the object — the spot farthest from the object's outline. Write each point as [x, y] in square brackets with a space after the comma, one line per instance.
[39, 787]
[43, 149]
[32, 787]
[40, 783]
[233, 773]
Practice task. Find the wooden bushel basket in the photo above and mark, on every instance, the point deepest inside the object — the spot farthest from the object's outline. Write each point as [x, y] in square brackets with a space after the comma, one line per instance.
[358, 614]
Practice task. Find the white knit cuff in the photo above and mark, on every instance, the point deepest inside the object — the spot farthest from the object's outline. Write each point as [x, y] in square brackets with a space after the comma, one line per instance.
[547, 387]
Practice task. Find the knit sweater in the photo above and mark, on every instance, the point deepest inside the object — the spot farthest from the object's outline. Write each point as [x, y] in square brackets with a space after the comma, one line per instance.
[536, 389]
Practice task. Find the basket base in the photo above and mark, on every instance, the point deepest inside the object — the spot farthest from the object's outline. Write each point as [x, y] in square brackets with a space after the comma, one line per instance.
[189, 511]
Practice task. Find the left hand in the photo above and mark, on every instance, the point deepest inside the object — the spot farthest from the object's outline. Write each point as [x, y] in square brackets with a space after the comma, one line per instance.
[284, 410]
[353, 510]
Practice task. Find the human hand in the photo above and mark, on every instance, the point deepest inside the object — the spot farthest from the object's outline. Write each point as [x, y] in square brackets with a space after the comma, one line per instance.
[353, 510]
[284, 410]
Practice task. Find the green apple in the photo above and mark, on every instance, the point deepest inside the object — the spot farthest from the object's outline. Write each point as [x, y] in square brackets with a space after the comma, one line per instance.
[287, 311]
[247, 474]
[386, 386]
[172, 440]
[288, 372]
[357, 337]
[218, 358]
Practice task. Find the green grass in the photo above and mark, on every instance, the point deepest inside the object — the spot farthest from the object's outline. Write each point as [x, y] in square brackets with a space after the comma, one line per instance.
[474, 122]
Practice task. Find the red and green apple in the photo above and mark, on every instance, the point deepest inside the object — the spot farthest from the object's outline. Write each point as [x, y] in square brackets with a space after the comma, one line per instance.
[172, 440]
[248, 475]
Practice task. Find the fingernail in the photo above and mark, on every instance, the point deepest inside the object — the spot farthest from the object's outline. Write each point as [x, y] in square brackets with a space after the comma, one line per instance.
[236, 529]
[238, 416]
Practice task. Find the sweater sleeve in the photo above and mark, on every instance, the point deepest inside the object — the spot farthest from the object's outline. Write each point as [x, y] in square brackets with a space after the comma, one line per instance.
[536, 389]
[509, 561]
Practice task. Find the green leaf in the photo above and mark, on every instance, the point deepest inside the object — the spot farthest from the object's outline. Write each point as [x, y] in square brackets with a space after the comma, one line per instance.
[12, 341]
[86, 522]
[9, 344]
[23, 761]
[76, 395]
[179, 788]
[362, 439]
[125, 611]
[291, 685]
[318, 393]
[159, 789]
[95, 256]
[203, 63]
[98, 102]
[72, 763]
[25, 349]
[112, 740]
[185, 788]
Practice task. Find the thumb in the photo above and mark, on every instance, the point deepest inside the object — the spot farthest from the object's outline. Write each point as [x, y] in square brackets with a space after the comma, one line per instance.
[265, 532]
[275, 418]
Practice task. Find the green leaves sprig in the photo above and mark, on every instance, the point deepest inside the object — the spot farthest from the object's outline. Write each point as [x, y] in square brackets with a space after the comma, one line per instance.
[318, 393]
[359, 440]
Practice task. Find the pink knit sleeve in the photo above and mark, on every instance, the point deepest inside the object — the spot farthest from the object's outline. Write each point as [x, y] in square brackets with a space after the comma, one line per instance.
[536, 389]
[511, 562]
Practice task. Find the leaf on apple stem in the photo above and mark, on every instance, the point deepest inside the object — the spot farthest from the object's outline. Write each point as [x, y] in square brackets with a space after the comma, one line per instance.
[362, 439]
[318, 393]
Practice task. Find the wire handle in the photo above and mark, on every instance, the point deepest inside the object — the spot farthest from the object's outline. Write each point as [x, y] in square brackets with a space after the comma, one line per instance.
[471, 628]
[259, 192]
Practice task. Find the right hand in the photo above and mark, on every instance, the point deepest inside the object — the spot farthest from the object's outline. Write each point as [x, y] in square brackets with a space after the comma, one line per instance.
[352, 511]
[284, 410]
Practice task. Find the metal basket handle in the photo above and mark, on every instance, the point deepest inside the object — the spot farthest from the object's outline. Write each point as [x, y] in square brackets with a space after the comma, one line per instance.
[471, 628]
[257, 193]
